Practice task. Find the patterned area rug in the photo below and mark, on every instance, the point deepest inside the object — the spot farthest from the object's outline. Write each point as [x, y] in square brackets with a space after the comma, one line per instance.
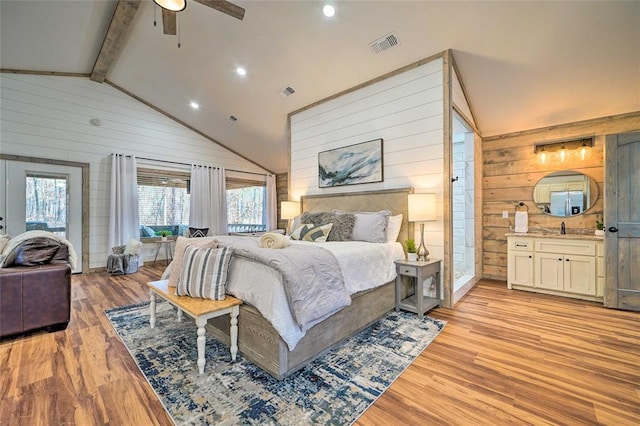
[333, 390]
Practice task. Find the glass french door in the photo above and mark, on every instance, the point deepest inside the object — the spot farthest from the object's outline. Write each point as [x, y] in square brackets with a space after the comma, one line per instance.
[43, 197]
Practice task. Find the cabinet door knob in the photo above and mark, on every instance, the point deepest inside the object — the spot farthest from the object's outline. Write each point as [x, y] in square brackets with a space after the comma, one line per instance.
[560, 259]
[567, 260]
[530, 256]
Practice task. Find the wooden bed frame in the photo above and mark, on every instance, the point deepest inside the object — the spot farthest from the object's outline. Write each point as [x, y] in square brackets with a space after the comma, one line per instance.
[259, 342]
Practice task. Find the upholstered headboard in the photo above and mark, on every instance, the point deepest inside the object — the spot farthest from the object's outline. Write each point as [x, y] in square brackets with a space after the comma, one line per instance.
[366, 201]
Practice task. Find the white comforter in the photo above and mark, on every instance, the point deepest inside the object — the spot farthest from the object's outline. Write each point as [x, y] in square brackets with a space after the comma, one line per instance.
[364, 266]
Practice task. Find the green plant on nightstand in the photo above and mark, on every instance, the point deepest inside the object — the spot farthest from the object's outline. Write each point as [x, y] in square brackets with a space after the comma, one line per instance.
[411, 249]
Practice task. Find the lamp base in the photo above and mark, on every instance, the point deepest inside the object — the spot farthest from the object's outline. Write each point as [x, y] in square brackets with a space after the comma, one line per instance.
[423, 253]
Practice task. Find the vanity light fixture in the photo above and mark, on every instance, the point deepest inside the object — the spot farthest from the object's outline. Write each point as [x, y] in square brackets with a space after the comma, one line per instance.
[546, 150]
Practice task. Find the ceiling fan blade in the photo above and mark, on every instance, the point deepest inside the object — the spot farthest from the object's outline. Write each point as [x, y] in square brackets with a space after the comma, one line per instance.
[168, 22]
[224, 7]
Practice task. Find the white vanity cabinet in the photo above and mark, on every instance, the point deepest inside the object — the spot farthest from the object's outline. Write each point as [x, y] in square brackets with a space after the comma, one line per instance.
[565, 266]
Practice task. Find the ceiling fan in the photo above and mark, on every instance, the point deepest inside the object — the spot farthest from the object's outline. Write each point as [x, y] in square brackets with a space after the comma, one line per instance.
[171, 7]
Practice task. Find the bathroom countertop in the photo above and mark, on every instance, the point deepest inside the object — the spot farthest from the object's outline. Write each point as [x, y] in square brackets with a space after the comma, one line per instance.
[555, 235]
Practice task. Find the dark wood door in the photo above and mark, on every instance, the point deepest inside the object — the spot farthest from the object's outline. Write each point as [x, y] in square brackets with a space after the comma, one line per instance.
[622, 221]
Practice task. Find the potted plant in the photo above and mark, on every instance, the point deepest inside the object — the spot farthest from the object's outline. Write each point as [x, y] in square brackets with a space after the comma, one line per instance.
[164, 234]
[599, 227]
[411, 250]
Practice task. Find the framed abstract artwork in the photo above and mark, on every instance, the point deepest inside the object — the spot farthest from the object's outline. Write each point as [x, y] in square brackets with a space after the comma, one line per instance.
[350, 165]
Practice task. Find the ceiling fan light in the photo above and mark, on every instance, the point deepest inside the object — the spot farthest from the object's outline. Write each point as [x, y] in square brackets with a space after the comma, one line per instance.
[172, 5]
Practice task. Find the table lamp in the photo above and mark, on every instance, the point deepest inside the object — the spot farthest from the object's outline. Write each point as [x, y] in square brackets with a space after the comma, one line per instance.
[288, 211]
[422, 208]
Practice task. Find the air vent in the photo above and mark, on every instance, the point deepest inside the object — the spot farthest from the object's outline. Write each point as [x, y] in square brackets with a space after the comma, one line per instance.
[287, 91]
[233, 118]
[384, 43]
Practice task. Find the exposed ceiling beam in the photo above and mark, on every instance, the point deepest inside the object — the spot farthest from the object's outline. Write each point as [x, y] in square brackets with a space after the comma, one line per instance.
[224, 7]
[168, 22]
[122, 18]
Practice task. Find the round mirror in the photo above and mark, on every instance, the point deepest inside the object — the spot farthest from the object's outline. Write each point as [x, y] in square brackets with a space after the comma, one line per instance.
[565, 193]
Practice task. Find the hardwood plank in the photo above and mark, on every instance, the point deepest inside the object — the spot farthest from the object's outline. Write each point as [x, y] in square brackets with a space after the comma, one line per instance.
[505, 357]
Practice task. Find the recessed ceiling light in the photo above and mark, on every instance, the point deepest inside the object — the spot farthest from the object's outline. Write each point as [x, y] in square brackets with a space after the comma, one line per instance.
[328, 10]
[241, 71]
[194, 105]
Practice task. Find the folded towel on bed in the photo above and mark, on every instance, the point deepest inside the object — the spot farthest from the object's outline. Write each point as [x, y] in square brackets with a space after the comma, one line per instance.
[274, 241]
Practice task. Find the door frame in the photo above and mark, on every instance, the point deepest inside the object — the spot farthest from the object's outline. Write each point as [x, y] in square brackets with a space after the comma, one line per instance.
[85, 195]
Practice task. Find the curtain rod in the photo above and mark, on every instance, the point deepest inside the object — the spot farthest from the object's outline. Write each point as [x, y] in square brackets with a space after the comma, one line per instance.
[187, 164]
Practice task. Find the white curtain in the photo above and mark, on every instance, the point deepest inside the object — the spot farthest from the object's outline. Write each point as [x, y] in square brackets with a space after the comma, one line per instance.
[208, 207]
[271, 204]
[124, 223]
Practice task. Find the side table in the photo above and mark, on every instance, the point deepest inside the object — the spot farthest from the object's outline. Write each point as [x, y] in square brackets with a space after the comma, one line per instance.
[167, 250]
[419, 271]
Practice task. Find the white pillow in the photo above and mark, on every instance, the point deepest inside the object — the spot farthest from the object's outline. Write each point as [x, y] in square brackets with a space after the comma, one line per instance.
[394, 223]
[370, 227]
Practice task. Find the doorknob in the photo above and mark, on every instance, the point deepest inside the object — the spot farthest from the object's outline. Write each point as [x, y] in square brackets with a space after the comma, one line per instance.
[613, 229]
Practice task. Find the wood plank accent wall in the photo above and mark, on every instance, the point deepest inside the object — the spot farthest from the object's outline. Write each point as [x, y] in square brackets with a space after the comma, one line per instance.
[406, 110]
[511, 170]
[48, 117]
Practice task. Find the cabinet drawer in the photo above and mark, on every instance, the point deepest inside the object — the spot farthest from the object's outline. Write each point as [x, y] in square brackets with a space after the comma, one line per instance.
[411, 271]
[520, 245]
[584, 248]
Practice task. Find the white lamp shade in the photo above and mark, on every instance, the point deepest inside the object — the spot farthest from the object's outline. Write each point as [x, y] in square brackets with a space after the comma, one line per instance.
[422, 207]
[289, 209]
[172, 5]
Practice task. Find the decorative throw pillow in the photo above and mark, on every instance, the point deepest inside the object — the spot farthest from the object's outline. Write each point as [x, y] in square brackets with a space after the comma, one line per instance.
[204, 272]
[342, 223]
[178, 254]
[4, 240]
[198, 232]
[311, 232]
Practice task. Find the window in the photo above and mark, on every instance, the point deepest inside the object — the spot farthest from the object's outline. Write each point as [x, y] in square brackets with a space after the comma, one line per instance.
[46, 203]
[245, 206]
[163, 202]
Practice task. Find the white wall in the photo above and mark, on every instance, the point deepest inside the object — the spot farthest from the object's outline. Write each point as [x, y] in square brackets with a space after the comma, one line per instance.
[406, 110]
[48, 117]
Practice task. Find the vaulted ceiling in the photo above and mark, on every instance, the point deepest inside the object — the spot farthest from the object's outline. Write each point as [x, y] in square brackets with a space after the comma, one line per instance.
[524, 64]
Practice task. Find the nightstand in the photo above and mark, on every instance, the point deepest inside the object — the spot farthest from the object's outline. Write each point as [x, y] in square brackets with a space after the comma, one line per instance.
[419, 271]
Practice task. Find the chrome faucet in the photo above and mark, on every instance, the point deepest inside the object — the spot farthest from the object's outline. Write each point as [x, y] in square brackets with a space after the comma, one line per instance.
[563, 230]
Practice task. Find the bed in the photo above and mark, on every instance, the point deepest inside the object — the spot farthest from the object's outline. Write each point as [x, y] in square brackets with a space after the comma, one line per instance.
[261, 343]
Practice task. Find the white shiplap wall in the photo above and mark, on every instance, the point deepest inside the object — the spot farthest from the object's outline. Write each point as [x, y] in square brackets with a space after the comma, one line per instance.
[406, 110]
[48, 117]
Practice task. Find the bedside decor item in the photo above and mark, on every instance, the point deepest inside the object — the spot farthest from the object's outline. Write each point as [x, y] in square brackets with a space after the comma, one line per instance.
[349, 165]
[422, 208]
[412, 254]
[288, 211]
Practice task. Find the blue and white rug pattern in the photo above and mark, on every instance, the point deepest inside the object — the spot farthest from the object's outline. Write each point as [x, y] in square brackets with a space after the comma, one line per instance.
[335, 389]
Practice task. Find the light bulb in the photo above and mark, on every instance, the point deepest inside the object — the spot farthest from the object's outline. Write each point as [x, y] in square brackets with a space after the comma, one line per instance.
[585, 152]
[563, 153]
[542, 155]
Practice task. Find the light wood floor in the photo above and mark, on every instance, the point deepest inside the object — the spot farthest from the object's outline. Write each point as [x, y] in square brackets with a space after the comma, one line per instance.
[505, 357]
